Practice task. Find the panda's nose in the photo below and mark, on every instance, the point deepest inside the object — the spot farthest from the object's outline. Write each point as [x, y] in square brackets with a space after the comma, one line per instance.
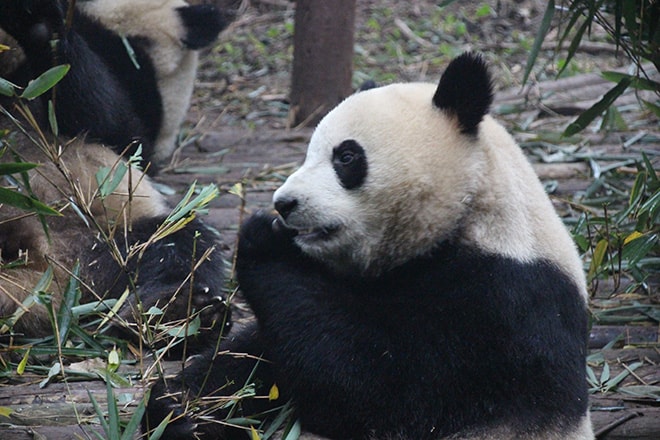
[285, 206]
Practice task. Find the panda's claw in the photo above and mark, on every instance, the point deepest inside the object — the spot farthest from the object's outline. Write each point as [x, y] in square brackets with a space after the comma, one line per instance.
[162, 403]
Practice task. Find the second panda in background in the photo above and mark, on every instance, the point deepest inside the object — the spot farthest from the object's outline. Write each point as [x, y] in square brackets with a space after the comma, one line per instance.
[133, 65]
[111, 100]
[417, 284]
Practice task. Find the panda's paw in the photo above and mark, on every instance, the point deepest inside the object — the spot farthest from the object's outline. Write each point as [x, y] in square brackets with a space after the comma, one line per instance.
[214, 309]
[262, 236]
[163, 403]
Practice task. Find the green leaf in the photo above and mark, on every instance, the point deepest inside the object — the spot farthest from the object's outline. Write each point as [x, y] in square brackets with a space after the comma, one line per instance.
[7, 88]
[638, 248]
[133, 425]
[597, 258]
[20, 369]
[45, 81]
[113, 413]
[17, 200]
[70, 299]
[654, 108]
[597, 109]
[30, 300]
[160, 429]
[16, 167]
[575, 43]
[619, 378]
[635, 81]
[538, 41]
[108, 179]
[186, 329]
[52, 119]
[99, 412]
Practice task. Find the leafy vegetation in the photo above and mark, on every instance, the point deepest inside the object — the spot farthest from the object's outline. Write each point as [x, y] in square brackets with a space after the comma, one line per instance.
[633, 25]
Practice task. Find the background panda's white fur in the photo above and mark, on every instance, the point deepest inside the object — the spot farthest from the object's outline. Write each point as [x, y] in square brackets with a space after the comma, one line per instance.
[164, 34]
[417, 283]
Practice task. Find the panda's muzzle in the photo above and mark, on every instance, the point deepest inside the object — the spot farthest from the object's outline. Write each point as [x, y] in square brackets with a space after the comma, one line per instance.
[301, 233]
[285, 206]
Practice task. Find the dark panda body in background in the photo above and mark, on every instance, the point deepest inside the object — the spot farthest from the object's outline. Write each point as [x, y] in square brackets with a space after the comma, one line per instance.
[110, 105]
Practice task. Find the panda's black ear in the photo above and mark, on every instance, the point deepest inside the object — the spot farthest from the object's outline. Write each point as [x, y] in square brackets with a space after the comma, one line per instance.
[203, 23]
[466, 91]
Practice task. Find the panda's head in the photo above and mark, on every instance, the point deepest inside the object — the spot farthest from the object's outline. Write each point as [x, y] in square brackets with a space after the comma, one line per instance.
[391, 171]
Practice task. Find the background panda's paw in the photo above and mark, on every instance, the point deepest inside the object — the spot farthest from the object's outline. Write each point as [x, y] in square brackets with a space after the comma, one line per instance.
[213, 308]
[262, 236]
[162, 403]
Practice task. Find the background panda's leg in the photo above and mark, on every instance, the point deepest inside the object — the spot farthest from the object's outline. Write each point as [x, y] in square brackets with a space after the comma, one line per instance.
[180, 274]
[237, 364]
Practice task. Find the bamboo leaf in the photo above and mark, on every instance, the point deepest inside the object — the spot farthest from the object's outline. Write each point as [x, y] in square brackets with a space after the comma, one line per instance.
[538, 41]
[16, 167]
[160, 429]
[638, 248]
[45, 81]
[274, 393]
[133, 425]
[635, 81]
[52, 119]
[30, 300]
[99, 412]
[597, 258]
[293, 433]
[70, 299]
[621, 376]
[597, 109]
[113, 412]
[654, 108]
[7, 88]
[25, 203]
[108, 179]
[20, 369]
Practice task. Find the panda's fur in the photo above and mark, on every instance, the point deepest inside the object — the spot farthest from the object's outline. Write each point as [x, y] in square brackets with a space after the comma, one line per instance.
[113, 97]
[97, 100]
[417, 283]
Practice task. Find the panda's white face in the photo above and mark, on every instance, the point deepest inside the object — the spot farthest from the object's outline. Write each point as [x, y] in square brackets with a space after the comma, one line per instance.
[387, 176]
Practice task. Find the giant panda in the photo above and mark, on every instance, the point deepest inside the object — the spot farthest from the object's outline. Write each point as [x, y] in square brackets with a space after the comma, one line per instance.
[133, 64]
[415, 283]
[104, 106]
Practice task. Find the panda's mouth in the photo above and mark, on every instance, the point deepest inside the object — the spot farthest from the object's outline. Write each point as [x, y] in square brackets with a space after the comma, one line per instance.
[315, 234]
[308, 234]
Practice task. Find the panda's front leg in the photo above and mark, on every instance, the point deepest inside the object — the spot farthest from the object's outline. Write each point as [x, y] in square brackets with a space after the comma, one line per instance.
[271, 268]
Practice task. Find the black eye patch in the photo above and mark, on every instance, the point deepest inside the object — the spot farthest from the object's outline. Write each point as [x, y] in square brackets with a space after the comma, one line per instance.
[350, 163]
